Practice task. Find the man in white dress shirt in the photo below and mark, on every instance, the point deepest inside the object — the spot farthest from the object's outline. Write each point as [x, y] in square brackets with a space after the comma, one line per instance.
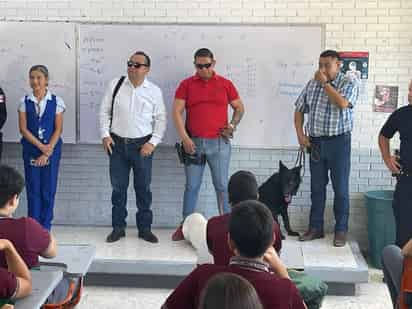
[132, 123]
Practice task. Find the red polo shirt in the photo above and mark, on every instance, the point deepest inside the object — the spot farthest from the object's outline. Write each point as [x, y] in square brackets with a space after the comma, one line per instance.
[273, 292]
[216, 235]
[206, 104]
[28, 237]
[8, 284]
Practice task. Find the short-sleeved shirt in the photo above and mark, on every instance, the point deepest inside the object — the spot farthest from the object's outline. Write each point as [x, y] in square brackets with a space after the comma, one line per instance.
[206, 103]
[216, 235]
[28, 237]
[401, 121]
[41, 106]
[274, 292]
[325, 118]
[8, 284]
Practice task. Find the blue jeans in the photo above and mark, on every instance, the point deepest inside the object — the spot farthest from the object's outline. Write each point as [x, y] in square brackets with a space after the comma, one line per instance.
[217, 152]
[330, 154]
[124, 158]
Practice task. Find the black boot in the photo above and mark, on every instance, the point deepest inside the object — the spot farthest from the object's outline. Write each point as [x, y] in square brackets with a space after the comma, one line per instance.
[148, 236]
[115, 235]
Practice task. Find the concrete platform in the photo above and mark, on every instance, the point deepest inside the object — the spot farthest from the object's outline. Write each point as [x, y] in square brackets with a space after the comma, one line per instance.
[130, 257]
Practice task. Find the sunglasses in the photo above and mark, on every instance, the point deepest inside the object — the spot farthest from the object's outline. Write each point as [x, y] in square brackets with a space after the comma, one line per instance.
[201, 66]
[135, 64]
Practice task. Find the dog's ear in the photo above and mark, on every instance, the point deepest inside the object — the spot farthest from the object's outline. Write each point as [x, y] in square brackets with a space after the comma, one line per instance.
[281, 165]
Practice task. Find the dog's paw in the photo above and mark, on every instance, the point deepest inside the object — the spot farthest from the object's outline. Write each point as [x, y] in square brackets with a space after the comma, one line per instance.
[293, 233]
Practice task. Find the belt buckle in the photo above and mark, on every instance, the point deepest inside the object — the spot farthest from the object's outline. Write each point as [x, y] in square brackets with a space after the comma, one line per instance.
[127, 140]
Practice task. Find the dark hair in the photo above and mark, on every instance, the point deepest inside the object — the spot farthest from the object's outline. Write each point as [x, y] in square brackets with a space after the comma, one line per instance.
[330, 53]
[11, 183]
[146, 57]
[251, 228]
[204, 52]
[229, 291]
[40, 67]
[242, 186]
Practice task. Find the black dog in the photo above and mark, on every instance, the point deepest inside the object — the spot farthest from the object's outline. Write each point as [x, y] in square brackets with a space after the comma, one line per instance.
[276, 193]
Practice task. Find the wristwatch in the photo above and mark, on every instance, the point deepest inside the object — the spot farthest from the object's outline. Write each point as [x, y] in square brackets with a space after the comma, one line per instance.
[325, 83]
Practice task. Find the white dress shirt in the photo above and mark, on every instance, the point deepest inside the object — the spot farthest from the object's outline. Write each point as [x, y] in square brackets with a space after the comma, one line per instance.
[137, 111]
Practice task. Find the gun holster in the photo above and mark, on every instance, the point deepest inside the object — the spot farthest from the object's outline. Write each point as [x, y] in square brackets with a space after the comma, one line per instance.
[189, 158]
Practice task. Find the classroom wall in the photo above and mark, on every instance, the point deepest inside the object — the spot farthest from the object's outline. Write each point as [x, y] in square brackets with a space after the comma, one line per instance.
[382, 27]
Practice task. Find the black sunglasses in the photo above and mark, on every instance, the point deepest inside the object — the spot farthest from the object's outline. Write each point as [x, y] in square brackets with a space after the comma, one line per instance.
[135, 64]
[201, 66]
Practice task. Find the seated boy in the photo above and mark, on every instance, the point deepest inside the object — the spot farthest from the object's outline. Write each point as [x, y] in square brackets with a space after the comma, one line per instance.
[15, 282]
[251, 239]
[29, 237]
[242, 186]
[392, 267]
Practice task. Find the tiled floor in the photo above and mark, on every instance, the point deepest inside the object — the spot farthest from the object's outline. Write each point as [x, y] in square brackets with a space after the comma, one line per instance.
[316, 253]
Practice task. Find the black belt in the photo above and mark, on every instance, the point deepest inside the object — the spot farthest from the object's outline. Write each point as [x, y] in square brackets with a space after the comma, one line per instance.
[326, 137]
[128, 140]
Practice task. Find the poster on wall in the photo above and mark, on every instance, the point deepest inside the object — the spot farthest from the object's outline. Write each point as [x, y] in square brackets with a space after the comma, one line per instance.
[386, 98]
[355, 65]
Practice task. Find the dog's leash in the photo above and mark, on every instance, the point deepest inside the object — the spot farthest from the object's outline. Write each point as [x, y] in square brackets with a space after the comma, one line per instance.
[300, 160]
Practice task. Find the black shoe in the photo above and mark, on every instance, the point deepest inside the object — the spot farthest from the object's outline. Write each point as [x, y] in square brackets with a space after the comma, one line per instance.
[148, 236]
[115, 235]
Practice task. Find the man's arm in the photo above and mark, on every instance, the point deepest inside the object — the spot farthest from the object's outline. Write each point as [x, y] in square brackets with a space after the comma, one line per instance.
[390, 161]
[3, 110]
[303, 139]
[238, 111]
[338, 99]
[335, 97]
[407, 249]
[160, 121]
[51, 250]
[17, 266]
[179, 106]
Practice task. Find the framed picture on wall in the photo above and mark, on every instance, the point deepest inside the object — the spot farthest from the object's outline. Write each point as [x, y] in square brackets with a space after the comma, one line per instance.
[386, 98]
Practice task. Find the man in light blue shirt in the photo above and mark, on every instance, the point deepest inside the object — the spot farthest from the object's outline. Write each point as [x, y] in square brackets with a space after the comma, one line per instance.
[328, 99]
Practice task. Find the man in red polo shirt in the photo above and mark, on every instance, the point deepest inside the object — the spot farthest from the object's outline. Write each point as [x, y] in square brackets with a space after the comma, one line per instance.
[251, 238]
[205, 98]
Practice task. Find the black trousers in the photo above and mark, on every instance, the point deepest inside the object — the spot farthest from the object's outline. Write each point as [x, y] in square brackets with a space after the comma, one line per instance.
[402, 209]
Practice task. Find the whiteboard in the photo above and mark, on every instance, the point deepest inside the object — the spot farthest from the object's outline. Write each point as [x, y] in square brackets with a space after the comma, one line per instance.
[25, 44]
[268, 64]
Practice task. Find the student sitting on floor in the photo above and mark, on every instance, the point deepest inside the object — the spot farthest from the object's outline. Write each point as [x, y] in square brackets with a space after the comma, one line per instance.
[15, 282]
[228, 291]
[212, 234]
[243, 186]
[392, 267]
[28, 236]
[251, 239]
